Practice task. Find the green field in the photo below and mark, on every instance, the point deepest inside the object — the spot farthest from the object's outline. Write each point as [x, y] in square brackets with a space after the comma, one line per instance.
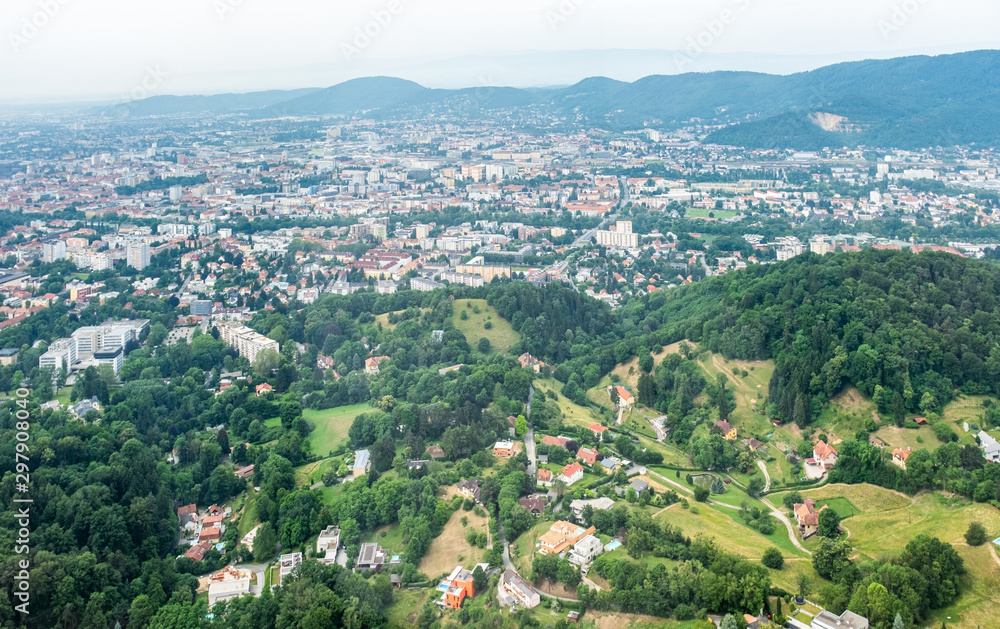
[572, 413]
[332, 425]
[501, 336]
[702, 213]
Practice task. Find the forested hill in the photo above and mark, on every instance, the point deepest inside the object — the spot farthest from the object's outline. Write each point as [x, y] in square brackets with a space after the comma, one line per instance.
[907, 330]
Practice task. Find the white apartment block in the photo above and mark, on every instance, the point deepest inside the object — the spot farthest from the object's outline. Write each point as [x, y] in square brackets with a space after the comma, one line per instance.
[621, 237]
[137, 255]
[465, 279]
[247, 342]
[52, 251]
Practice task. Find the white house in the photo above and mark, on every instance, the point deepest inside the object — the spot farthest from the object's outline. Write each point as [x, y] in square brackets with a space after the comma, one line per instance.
[571, 473]
[991, 449]
[226, 590]
[586, 550]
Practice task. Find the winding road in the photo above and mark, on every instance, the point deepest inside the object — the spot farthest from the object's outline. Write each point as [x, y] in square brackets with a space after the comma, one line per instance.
[792, 533]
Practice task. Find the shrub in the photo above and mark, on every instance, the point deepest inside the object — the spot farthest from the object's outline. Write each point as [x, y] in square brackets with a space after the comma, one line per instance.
[701, 494]
[976, 535]
[773, 559]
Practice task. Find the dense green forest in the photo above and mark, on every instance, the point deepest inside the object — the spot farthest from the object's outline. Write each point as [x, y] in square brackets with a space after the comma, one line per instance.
[907, 330]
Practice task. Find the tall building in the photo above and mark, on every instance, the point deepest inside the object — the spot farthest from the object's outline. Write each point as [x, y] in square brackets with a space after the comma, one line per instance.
[137, 255]
[621, 236]
[52, 251]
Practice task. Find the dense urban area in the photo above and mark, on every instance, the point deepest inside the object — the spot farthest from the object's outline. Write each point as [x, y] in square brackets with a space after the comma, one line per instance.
[341, 371]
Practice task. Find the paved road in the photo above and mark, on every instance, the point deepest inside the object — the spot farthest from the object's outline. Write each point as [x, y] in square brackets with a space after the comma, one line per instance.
[257, 569]
[529, 447]
[792, 529]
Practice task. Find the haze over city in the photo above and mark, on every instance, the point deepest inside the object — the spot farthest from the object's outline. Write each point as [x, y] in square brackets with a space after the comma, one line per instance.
[58, 50]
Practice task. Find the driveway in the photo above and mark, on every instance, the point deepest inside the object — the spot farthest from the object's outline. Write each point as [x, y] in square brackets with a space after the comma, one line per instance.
[793, 533]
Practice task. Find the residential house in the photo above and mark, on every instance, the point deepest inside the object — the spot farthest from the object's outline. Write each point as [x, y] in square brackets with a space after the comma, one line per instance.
[197, 552]
[561, 536]
[371, 557]
[545, 478]
[470, 489]
[754, 446]
[372, 364]
[598, 430]
[727, 430]
[824, 456]
[534, 504]
[244, 472]
[455, 587]
[597, 504]
[808, 517]
[504, 450]
[530, 362]
[513, 590]
[611, 464]
[555, 441]
[587, 455]
[327, 544]
[227, 590]
[288, 563]
[188, 517]
[899, 457]
[210, 534]
[263, 389]
[571, 473]
[362, 463]
[847, 620]
[991, 449]
[639, 486]
[625, 398]
[586, 550]
[435, 452]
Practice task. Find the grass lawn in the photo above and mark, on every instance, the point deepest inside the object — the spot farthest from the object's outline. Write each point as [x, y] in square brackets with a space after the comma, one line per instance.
[502, 336]
[271, 423]
[310, 473]
[980, 598]
[841, 506]
[392, 540]
[703, 213]
[729, 533]
[749, 392]
[332, 425]
[405, 607]
[788, 577]
[896, 437]
[572, 413]
[864, 498]
[249, 518]
[450, 548]
[62, 396]
[845, 415]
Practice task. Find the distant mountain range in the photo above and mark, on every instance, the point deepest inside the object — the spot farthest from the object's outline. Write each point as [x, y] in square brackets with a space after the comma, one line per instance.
[907, 102]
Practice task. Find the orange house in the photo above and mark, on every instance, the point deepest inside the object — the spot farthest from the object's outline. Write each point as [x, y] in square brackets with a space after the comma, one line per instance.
[456, 587]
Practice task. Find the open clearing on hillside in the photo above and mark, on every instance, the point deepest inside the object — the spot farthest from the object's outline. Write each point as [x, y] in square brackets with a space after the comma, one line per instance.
[332, 425]
[728, 533]
[501, 336]
[572, 412]
[450, 548]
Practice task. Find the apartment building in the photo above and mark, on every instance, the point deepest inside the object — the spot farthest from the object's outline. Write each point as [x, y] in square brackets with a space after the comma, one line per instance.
[246, 341]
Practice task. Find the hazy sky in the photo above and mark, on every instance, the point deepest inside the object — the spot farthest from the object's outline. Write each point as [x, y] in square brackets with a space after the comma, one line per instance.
[60, 49]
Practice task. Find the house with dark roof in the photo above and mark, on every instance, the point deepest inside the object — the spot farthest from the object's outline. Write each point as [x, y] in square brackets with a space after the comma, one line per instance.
[534, 504]
[470, 489]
